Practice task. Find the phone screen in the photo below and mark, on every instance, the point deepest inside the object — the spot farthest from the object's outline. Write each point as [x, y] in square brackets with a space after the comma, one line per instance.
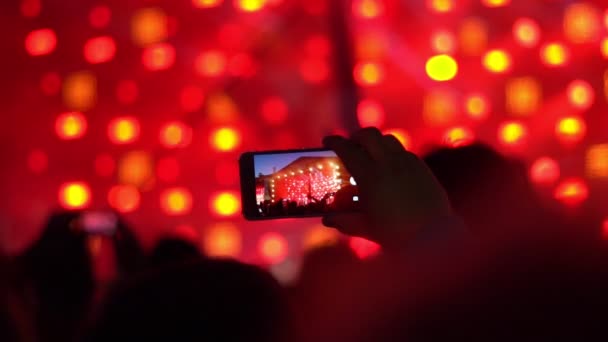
[301, 184]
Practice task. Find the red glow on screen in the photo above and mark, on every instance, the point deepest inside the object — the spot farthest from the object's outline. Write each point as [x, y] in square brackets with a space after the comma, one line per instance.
[124, 198]
[50, 83]
[210, 63]
[544, 171]
[225, 204]
[581, 94]
[370, 113]
[314, 70]
[605, 229]
[206, 3]
[443, 42]
[71, 126]
[192, 98]
[526, 32]
[226, 173]
[512, 133]
[274, 110]
[368, 9]
[158, 57]
[99, 50]
[176, 201]
[123, 130]
[175, 134]
[222, 240]
[74, 195]
[571, 192]
[127, 91]
[369, 73]
[167, 169]
[363, 248]
[104, 165]
[100, 16]
[31, 8]
[441, 68]
[571, 130]
[37, 161]
[225, 139]
[40, 42]
[273, 247]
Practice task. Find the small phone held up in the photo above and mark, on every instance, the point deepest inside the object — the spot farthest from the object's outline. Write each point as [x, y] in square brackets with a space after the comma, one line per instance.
[295, 183]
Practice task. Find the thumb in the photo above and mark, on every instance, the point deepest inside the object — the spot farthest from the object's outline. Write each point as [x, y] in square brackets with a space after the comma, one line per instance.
[352, 224]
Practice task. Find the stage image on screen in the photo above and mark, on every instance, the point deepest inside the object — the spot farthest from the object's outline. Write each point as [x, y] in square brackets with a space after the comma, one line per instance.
[303, 183]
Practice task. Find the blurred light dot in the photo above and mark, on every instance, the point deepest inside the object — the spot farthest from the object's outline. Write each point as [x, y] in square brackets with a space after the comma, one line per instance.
[314, 70]
[495, 3]
[30, 8]
[363, 248]
[74, 195]
[99, 50]
[273, 248]
[206, 3]
[167, 169]
[581, 94]
[226, 173]
[368, 9]
[554, 54]
[50, 83]
[544, 171]
[124, 198]
[123, 130]
[149, 26]
[370, 46]
[175, 134]
[104, 165]
[100, 16]
[596, 161]
[136, 168]
[571, 130]
[523, 96]
[40, 42]
[225, 204]
[472, 36]
[477, 106]
[71, 126]
[274, 110]
[221, 108]
[497, 61]
[370, 114]
[369, 73]
[250, 5]
[443, 42]
[440, 6]
[441, 68]
[176, 201]
[320, 236]
[127, 91]
[192, 98]
[210, 63]
[582, 23]
[440, 107]
[80, 91]
[225, 139]
[571, 192]
[458, 136]
[401, 135]
[158, 57]
[37, 161]
[604, 48]
[222, 240]
[512, 133]
[526, 32]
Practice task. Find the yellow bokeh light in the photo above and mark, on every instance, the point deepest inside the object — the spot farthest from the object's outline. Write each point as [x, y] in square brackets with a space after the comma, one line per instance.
[368, 8]
[440, 6]
[571, 129]
[472, 36]
[149, 26]
[596, 161]
[74, 195]
[136, 168]
[512, 133]
[222, 240]
[225, 139]
[441, 68]
[523, 95]
[580, 94]
[210, 63]
[250, 5]
[369, 73]
[72, 125]
[497, 61]
[496, 3]
[206, 3]
[176, 201]
[225, 204]
[123, 130]
[440, 107]
[582, 23]
[554, 54]
[80, 91]
[604, 48]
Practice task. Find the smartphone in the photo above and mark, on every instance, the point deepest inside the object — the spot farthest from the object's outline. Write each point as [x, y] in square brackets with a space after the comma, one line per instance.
[99, 223]
[295, 183]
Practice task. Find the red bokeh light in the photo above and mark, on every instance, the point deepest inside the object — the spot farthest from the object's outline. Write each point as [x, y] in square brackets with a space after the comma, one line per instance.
[225, 204]
[41, 42]
[124, 198]
[175, 134]
[127, 91]
[158, 57]
[71, 126]
[512, 133]
[99, 50]
[370, 114]
[167, 169]
[123, 130]
[363, 248]
[222, 240]
[37, 161]
[100, 16]
[571, 130]
[104, 165]
[544, 171]
[273, 248]
[526, 32]
[176, 201]
[274, 110]
[571, 192]
[74, 195]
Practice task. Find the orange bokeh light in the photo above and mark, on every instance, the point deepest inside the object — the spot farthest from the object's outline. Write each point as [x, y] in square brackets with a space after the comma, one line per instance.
[74, 195]
[206, 3]
[523, 95]
[40, 42]
[225, 139]
[225, 204]
[149, 26]
[369, 73]
[124, 198]
[175, 134]
[440, 6]
[99, 50]
[80, 90]
[571, 130]
[571, 192]
[123, 130]
[368, 9]
[544, 171]
[458, 136]
[71, 126]
[473, 36]
[136, 168]
[596, 161]
[582, 23]
[495, 3]
[273, 247]
[554, 54]
[370, 114]
[210, 63]
[158, 57]
[37, 161]
[497, 61]
[443, 42]
[250, 5]
[222, 240]
[526, 32]
[176, 201]
[477, 106]
[512, 133]
[581, 94]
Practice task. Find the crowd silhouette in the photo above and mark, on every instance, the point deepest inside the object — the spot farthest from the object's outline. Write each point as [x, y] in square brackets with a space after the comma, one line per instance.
[468, 254]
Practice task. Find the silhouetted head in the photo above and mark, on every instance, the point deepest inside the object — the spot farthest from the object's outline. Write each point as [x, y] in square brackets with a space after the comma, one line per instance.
[173, 250]
[207, 300]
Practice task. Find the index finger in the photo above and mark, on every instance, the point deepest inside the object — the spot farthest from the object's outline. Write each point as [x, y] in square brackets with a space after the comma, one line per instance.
[355, 159]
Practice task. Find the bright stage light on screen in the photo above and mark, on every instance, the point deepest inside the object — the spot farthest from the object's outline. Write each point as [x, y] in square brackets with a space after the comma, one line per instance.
[273, 248]
[544, 171]
[123, 130]
[41, 42]
[225, 139]
[99, 50]
[370, 114]
[222, 240]
[441, 68]
[74, 195]
[225, 204]
[473, 36]
[369, 73]
[571, 130]
[71, 126]
[512, 133]
[206, 3]
[604, 48]
[158, 57]
[581, 94]
[526, 32]
[176, 201]
[250, 5]
[136, 168]
[497, 61]
[495, 3]
[571, 192]
[149, 26]
[175, 134]
[124, 198]
[554, 54]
